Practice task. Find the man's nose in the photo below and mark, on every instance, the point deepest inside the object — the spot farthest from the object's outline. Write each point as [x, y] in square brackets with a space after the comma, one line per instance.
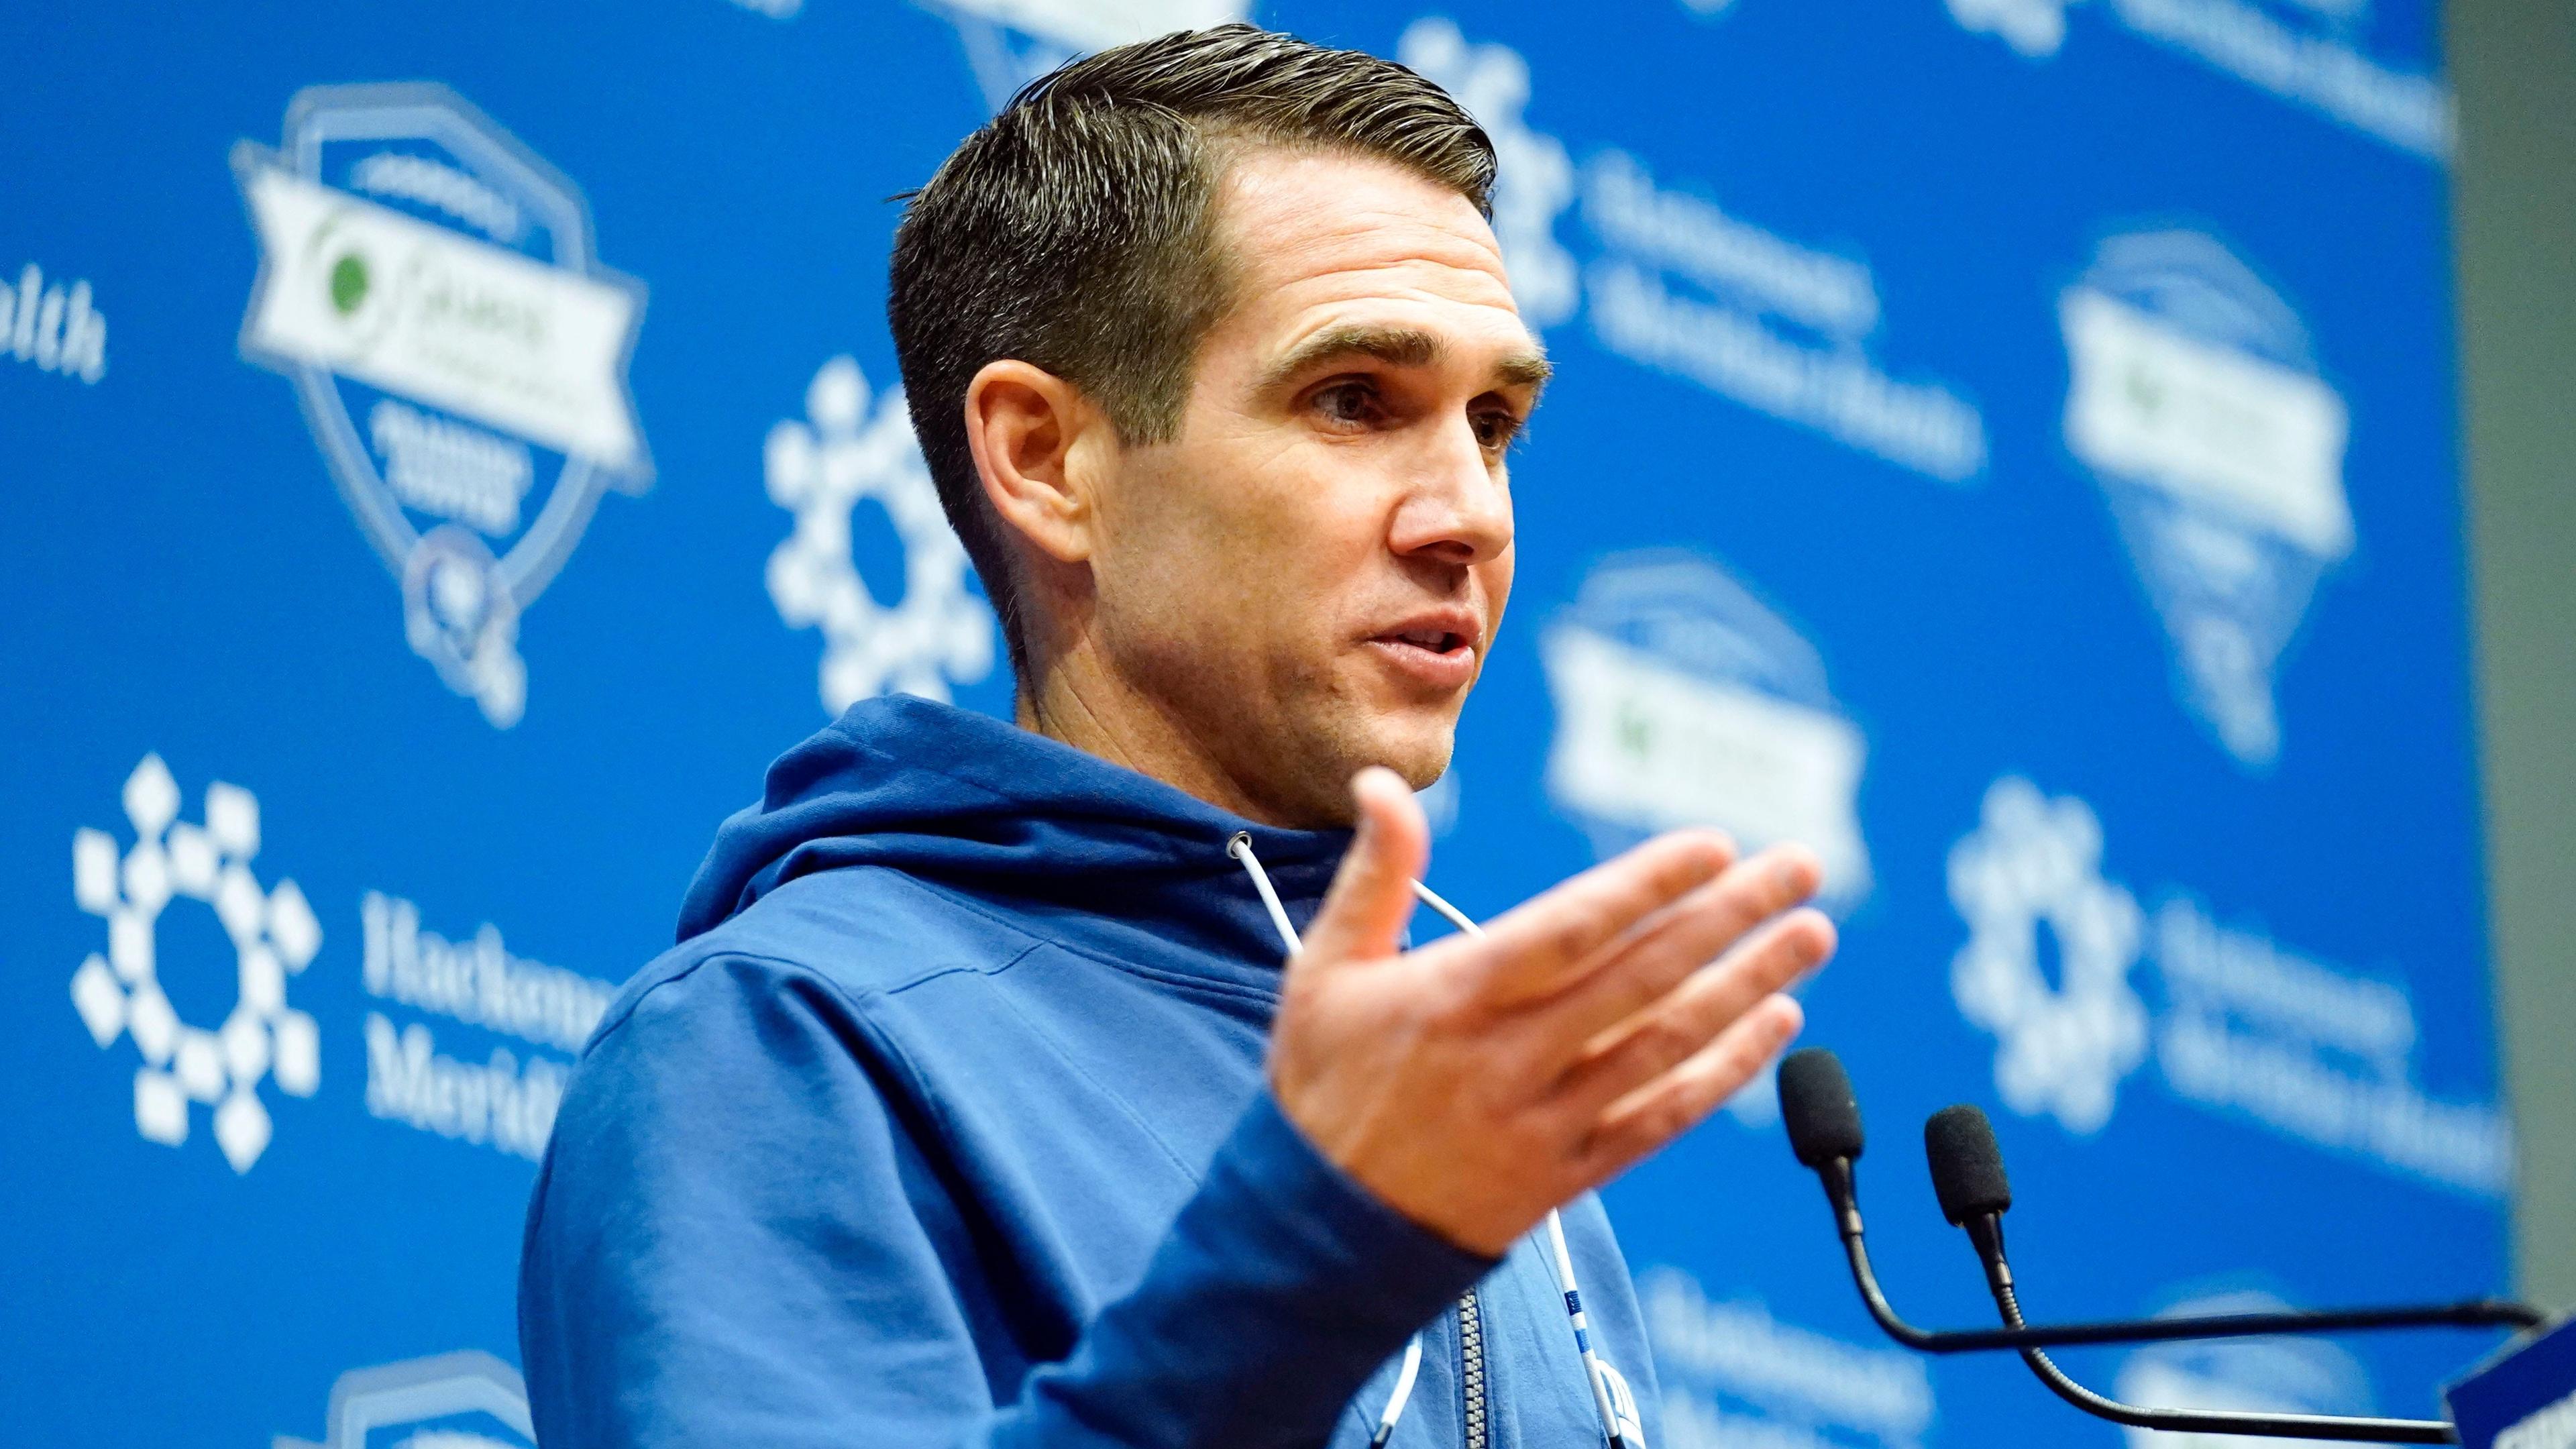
[1459, 510]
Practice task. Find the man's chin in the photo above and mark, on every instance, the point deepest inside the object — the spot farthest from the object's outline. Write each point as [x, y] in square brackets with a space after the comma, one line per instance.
[1309, 772]
[1416, 749]
[1423, 776]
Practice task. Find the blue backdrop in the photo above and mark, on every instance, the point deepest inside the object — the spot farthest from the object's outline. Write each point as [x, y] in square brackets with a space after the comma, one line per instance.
[2008, 444]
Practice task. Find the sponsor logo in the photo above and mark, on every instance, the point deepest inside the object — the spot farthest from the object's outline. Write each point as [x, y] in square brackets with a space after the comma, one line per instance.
[272, 935]
[2310, 53]
[2035, 862]
[56, 329]
[2236, 1023]
[2242, 1375]
[1683, 286]
[846, 452]
[506, 1101]
[466, 1400]
[1010, 43]
[502, 1102]
[1780, 326]
[2193, 400]
[1734, 1375]
[1682, 700]
[428, 285]
[2261, 1032]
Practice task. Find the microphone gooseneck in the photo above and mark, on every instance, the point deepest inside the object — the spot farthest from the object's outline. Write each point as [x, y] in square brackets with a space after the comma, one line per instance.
[1824, 1125]
[1968, 1176]
[2189, 1421]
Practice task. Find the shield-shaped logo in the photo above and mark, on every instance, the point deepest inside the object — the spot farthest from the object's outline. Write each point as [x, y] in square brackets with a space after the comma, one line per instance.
[2196, 402]
[1683, 700]
[429, 286]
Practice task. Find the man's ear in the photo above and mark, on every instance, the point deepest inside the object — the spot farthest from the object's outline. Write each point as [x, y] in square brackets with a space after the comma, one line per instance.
[1025, 426]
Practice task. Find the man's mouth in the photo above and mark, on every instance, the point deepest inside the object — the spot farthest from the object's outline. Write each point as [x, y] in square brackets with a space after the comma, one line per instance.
[1438, 641]
[1438, 652]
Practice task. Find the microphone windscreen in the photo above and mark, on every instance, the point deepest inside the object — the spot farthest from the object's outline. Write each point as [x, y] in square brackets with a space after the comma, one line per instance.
[1967, 1165]
[1817, 1106]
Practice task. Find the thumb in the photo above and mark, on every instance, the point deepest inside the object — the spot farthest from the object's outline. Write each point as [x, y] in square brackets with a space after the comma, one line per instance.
[1372, 894]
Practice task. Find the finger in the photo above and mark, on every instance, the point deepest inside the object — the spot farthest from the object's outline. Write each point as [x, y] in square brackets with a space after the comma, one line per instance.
[1656, 1113]
[1645, 962]
[1530, 951]
[1371, 898]
[1645, 1046]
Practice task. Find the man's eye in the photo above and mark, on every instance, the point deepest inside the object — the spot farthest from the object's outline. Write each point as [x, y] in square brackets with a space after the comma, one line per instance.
[1348, 402]
[1495, 429]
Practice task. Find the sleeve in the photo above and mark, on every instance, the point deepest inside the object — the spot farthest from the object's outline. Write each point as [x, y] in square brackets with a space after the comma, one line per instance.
[734, 1242]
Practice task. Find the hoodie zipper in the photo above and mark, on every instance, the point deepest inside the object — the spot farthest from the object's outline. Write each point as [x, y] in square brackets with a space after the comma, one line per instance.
[1471, 1369]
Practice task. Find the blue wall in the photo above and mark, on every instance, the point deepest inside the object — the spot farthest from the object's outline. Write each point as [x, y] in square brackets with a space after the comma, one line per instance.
[2006, 443]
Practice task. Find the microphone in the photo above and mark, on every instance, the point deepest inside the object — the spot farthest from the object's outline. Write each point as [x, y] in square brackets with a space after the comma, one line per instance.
[1968, 1177]
[1824, 1125]
[1823, 1118]
[1818, 1108]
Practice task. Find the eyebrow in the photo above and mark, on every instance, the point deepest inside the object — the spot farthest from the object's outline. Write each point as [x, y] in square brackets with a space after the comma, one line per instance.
[1397, 347]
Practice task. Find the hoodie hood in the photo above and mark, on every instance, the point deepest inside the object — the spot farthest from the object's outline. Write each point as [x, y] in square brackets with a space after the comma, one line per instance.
[978, 806]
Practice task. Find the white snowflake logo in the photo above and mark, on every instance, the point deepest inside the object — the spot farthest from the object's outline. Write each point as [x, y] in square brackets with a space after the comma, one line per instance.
[820, 469]
[2035, 861]
[273, 933]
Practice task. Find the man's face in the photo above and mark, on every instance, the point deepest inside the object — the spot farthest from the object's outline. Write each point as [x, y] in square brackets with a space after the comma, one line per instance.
[1309, 575]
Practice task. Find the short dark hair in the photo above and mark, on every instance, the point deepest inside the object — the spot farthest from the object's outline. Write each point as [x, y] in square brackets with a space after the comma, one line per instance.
[1075, 231]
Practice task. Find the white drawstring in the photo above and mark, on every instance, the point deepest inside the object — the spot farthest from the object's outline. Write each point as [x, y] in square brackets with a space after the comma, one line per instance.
[1240, 847]
[1595, 1373]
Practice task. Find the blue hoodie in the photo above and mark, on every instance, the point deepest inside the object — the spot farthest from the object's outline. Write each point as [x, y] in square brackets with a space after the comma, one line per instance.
[945, 1124]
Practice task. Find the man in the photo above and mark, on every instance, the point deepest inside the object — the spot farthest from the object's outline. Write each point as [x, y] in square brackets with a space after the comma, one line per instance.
[975, 1105]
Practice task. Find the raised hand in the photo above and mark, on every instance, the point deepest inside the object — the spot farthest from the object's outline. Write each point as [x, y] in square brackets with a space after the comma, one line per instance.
[1478, 1082]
